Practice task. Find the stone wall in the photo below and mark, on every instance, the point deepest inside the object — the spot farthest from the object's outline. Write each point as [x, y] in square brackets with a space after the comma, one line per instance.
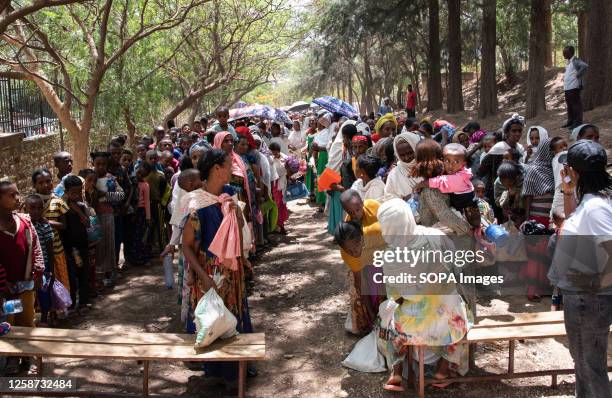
[20, 156]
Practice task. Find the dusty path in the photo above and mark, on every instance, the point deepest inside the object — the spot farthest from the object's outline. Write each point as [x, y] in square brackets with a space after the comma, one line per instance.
[300, 302]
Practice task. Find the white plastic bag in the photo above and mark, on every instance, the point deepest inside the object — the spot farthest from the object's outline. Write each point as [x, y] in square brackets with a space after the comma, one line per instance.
[213, 320]
[386, 312]
[365, 356]
[348, 323]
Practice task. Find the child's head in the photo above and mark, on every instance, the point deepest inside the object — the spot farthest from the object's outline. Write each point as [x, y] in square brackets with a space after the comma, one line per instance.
[194, 137]
[42, 181]
[429, 159]
[275, 149]
[141, 151]
[534, 137]
[367, 167]
[512, 155]
[168, 173]
[222, 116]
[487, 142]
[143, 171]
[63, 161]
[479, 188]
[147, 140]
[73, 189]
[558, 144]
[34, 206]
[166, 145]
[186, 128]
[360, 145]
[166, 159]
[185, 163]
[184, 144]
[349, 236]
[454, 158]
[508, 173]
[126, 158]
[90, 177]
[116, 150]
[9, 196]
[197, 153]
[275, 130]
[588, 132]
[152, 157]
[189, 180]
[100, 163]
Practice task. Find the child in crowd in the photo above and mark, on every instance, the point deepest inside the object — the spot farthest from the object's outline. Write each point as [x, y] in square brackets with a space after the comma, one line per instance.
[279, 138]
[486, 211]
[487, 143]
[127, 161]
[109, 193]
[55, 212]
[507, 191]
[558, 146]
[512, 155]
[21, 261]
[157, 187]
[457, 182]
[76, 244]
[168, 161]
[184, 144]
[368, 185]
[90, 194]
[279, 185]
[141, 152]
[34, 207]
[140, 253]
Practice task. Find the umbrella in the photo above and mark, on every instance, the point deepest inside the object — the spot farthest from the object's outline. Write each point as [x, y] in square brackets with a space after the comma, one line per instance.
[299, 106]
[260, 111]
[240, 104]
[333, 104]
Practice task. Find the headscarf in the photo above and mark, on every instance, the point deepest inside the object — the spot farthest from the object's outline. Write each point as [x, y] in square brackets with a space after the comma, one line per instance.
[372, 238]
[542, 132]
[515, 118]
[380, 145]
[245, 132]
[264, 164]
[477, 136]
[325, 119]
[296, 138]
[323, 137]
[399, 181]
[399, 229]
[363, 128]
[384, 119]
[336, 150]
[540, 178]
[238, 167]
[359, 138]
[458, 134]
[577, 130]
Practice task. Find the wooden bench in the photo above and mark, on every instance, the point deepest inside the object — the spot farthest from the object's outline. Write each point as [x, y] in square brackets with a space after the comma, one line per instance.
[135, 346]
[512, 327]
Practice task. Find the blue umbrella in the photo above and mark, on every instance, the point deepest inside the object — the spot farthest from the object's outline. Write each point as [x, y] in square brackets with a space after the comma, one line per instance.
[260, 111]
[334, 104]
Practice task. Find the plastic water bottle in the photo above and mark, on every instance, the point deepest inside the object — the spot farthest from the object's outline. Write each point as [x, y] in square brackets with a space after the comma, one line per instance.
[168, 271]
[12, 307]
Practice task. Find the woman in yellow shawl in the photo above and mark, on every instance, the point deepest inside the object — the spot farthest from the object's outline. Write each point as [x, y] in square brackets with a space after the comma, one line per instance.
[385, 127]
[359, 237]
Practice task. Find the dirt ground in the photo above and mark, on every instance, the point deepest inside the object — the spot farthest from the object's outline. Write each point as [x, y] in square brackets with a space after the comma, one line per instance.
[300, 302]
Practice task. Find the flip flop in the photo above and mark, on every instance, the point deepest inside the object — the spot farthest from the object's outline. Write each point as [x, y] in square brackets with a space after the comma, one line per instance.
[393, 387]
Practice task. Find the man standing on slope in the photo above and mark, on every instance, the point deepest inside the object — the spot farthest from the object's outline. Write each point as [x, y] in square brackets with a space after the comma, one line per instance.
[572, 85]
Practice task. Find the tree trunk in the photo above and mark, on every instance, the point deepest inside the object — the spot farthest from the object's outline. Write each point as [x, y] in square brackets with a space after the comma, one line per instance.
[454, 99]
[434, 77]
[195, 109]
[509, 69]
[583, 18]
[548, 61]
[131, 127]
[537, 57]
[350, 84]
[488, 86]
[597, 54]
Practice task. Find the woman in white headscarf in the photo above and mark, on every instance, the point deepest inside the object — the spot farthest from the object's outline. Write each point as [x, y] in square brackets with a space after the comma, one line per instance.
[432, 317]
[319, 146]
[296, 140]
[400, 182]
[535, 136]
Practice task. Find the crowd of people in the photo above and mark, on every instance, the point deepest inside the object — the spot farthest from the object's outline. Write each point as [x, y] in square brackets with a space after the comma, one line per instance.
[212, 196]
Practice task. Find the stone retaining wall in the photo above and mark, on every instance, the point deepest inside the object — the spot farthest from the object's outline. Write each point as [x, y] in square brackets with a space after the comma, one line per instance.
[20, 156]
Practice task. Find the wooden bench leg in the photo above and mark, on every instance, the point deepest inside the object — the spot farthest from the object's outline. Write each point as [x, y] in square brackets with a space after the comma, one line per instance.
[409, 370]
[421, 350]
[553, 383]
[145, 379]
[241, 378]
[511, 347]
[39, 366]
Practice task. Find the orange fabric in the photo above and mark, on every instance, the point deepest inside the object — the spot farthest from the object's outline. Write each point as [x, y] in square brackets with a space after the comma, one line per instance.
[327, 178]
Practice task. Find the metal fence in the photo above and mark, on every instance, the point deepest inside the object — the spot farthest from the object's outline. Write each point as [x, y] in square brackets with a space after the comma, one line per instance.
[23, 109]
